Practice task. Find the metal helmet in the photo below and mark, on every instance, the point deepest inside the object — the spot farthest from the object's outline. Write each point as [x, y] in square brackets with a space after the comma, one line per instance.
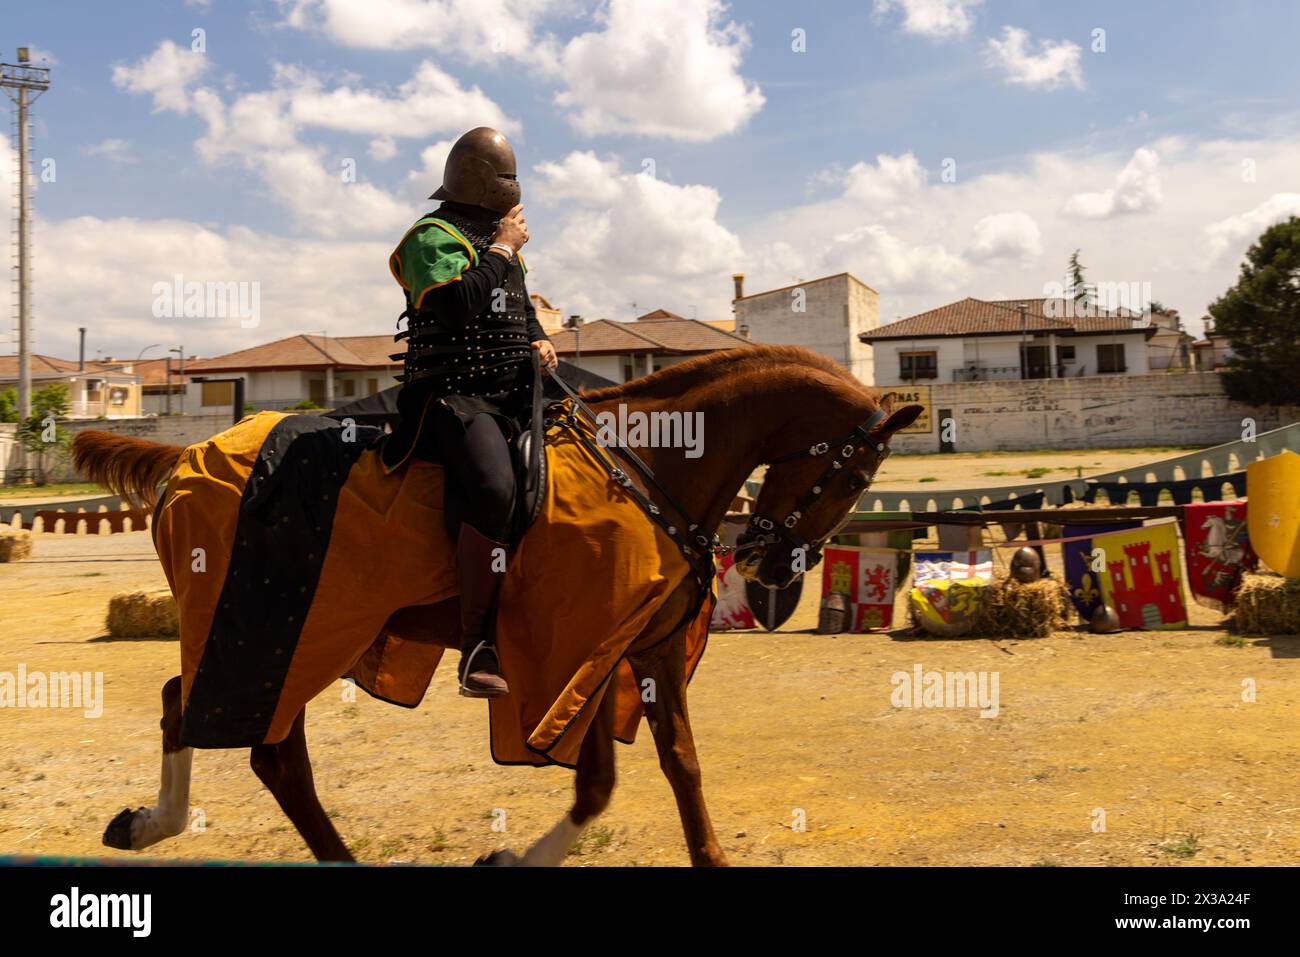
[480, 171]
[1026, 565]
[1105, 620]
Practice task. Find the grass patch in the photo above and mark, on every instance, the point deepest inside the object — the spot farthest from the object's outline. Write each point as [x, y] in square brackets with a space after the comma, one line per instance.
[1186, 846]
[595, 838]
[928, 478]
[1231, 641]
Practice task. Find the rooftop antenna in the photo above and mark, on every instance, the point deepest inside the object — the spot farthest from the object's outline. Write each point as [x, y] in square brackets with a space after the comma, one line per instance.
[23, 84]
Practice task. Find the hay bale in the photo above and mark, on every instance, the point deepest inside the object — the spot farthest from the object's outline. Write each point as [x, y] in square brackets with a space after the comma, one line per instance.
[143, 614]
[1012, 609]
[15, 544]
[1268, 605]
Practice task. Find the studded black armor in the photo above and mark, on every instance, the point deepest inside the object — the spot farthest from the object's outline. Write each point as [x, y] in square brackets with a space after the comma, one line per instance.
[489, 355]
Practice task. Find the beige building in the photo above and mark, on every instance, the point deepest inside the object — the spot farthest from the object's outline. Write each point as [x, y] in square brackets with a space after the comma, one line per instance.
[109, 390]
[826, 315]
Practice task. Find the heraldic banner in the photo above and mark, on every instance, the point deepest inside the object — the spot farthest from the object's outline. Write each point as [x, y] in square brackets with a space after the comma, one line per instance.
[866, 576]
[1143, 576]
[1218, 551]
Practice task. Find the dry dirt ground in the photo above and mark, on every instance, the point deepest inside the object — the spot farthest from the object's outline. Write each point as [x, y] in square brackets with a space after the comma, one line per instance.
[1148, 729]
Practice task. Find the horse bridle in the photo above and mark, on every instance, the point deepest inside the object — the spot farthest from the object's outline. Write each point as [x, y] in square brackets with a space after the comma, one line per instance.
[766, 531]
[697, 546]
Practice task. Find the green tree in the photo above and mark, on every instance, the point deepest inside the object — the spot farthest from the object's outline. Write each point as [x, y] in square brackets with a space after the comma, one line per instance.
[8, 406]
[42, 434]
[1260, 317]
[1078, 282]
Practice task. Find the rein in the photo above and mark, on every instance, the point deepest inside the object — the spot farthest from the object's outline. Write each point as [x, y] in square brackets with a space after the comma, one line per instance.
[700, 549]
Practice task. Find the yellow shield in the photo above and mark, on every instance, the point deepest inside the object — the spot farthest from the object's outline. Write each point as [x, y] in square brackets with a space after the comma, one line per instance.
[1273, 513]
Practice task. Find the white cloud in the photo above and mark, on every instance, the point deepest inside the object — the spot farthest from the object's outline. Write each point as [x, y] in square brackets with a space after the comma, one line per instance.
[892, 178]
[1054, 66]
[113, 150]
[936, 19]
[1233, 234]
[1012, 235]
[480, 31]
[1005, 234]
[262, 131]
[657, 243]
[1136, 190]
[166, 75]
[431, 101]
[382, 149]
[659, 68]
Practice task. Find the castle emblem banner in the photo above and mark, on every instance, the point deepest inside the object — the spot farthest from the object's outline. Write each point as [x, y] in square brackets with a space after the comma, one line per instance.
[1143, 576]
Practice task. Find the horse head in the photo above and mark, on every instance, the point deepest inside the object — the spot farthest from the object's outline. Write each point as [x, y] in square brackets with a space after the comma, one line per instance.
[808, 495]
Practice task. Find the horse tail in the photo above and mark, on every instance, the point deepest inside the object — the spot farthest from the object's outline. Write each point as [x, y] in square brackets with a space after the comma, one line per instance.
[126, 466]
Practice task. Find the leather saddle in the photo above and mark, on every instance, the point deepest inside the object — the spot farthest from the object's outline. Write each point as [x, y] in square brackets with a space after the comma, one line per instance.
[528, 456]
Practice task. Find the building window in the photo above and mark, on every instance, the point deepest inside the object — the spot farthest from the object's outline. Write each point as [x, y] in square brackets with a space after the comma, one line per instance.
[1065, 353]
[93, 390]
[918, 365]
[349, 387]
[316, 391]
[372, 386]
[1110, 358]
[117, 395]
[218, 393]
[628, 374]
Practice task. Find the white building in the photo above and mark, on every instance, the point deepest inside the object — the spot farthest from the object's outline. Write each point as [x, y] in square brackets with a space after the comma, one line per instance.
[325, 370]
[974, 340]
[828, 315]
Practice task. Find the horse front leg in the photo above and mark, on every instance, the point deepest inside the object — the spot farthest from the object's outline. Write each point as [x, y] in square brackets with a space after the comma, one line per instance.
[593, 785]
[665, 665]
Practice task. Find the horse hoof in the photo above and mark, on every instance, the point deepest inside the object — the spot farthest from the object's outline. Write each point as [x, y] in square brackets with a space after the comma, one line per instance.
[502, 858]
[118, 832]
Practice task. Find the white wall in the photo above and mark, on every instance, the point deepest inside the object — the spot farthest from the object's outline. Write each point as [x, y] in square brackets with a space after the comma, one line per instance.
[836, 310]
[1090, 412]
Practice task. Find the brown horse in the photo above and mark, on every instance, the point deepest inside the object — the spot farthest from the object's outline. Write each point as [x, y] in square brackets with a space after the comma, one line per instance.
[822, 433]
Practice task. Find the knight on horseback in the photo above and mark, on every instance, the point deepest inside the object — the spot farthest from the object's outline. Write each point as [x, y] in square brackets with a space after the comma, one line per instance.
[468, 375]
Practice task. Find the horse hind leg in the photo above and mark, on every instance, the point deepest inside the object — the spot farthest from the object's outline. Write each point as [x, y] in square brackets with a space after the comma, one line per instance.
[285, 769]
[145, 826]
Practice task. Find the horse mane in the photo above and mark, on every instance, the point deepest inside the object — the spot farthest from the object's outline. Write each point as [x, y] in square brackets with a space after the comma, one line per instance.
[711, 368]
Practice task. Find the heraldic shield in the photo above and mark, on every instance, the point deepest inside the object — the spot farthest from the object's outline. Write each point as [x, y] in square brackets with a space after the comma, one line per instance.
[1273, 517]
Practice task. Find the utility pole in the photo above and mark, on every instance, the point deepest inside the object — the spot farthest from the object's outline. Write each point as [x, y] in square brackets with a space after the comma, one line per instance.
[181, 373]
[23, 84]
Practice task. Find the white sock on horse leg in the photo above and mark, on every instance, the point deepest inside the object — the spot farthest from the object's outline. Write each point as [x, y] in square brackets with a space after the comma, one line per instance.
[553, 847]
[169, 817]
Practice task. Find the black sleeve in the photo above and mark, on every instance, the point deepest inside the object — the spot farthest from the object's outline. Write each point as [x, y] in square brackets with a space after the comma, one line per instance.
[458, 302]
[535, 331]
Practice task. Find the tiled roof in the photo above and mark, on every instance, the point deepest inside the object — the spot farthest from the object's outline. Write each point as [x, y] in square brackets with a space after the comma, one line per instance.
[668, 335]
[306, 352]
[52, 366]
[969, 317]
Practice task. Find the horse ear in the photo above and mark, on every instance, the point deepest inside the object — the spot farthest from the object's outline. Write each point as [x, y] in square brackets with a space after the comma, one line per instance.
[897, 419]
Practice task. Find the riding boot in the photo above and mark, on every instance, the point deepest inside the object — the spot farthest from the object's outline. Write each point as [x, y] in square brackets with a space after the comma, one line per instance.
[480, 668]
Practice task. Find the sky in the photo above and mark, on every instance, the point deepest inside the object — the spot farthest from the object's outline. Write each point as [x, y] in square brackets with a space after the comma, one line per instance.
[935, 149]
